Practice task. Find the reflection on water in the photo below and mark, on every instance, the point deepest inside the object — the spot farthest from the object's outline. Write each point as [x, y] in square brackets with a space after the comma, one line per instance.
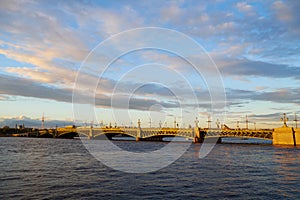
[287, 162]
[246, 141]
[286, 166]
[58, 169]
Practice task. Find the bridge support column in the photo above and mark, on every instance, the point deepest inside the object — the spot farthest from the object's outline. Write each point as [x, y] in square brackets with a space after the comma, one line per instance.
[285, 136]
[139, 131]
[55, 133]
[197, 137]
[91, 133]
[297, 136]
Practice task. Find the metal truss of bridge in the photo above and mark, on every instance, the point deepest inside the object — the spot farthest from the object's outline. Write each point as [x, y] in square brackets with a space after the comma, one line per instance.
[195, 134]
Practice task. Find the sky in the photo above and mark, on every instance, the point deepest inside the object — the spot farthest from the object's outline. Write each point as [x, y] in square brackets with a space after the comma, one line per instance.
[50, 49]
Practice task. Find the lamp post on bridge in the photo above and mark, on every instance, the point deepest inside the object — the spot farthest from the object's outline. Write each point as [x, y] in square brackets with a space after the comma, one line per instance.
[218, 124]
[160, 123]
[284, 119]
[208, 122]
[174, 122]
[139, 131]
[196, 122]
[247, 122]
[237, 124]
[92, 123]
[296, 120]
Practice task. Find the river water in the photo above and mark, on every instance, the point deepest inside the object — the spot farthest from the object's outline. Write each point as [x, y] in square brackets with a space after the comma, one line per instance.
[36, 168]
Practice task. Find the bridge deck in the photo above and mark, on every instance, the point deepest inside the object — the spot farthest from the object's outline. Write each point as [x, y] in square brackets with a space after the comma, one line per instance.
[182, 132]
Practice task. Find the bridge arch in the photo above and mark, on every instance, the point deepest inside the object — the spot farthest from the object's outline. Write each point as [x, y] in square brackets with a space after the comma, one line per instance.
[261, 134]
[184, 133]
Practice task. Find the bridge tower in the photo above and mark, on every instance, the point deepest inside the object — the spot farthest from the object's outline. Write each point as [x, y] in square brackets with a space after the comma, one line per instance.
[286, 135]
[296, 121]
[197, 137]
[139, 131]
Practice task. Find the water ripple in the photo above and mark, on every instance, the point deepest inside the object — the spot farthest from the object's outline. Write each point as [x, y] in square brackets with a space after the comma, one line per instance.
[63, 169]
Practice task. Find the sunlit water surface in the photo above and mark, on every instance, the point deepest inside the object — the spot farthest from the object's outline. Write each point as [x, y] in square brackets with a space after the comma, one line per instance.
[32, 168]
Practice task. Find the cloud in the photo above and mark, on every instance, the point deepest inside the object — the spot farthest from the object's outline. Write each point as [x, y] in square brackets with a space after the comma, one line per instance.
[33, 74]
[69, 32]
[284, 95]
[287, 12]
[245, 67]
[33, 122]
[283, 11]
[172, 12]
[46, 35]
[261, 88]
[246, 8]
[4, 97]
[56, 40]
[104, 22]
[273, 118]
[267, 116]
[48, 41]
[27, 88]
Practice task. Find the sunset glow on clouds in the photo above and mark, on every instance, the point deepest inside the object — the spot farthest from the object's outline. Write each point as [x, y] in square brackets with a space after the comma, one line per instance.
[255, 45]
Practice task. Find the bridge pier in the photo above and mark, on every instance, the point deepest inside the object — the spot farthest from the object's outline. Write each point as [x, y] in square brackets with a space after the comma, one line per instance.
[91, 133]
[197, 135]
[297, 135]
[139, 131]
[55, 133]
[286, 136]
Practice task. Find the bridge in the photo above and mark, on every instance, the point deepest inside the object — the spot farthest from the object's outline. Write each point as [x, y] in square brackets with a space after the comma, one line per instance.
[148, 134]
[284, 135]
